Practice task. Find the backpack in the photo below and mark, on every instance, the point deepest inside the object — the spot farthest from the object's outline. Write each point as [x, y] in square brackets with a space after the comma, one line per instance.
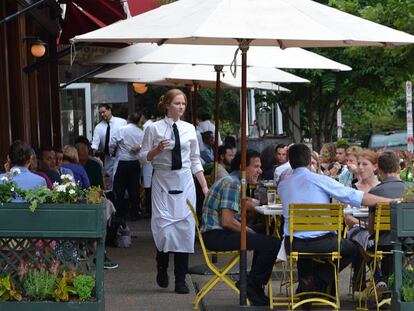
[123, 236]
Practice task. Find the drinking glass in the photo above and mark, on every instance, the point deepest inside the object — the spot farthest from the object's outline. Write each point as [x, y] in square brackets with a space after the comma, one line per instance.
[271, 197]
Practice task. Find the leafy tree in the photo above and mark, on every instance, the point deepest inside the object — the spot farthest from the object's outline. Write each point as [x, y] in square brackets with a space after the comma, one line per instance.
[372, 94]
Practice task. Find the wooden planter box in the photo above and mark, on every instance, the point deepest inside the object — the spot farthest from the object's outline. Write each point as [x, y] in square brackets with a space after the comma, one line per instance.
[82, 224]
[402, 227]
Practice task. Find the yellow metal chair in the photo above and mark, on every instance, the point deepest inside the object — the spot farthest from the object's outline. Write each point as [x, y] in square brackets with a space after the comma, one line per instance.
[219, 272]
[315, 217]
[381, 222]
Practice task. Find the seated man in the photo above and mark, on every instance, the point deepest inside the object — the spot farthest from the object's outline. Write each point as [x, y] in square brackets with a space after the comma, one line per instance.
[19, 161]
[391, 187]
[207, 154]
[47, 164]
[225, 156]
[221, 229]
[315, 188]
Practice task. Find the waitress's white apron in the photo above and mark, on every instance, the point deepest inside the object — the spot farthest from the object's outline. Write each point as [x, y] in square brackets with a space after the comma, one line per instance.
[172, 223]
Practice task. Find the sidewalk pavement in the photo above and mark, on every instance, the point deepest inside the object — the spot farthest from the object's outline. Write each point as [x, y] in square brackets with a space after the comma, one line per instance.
[132, 286]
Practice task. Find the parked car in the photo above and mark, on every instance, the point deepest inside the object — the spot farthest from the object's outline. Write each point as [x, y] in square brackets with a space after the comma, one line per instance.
[391, 140]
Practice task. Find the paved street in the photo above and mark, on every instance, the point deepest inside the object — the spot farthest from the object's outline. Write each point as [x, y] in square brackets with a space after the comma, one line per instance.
[132, 286]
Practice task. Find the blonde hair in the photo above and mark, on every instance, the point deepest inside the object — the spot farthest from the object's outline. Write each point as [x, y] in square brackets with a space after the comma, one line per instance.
[70, 154]
[315, 156]
[370, 155]
[353, 151]
[331, 156]
[168, 97]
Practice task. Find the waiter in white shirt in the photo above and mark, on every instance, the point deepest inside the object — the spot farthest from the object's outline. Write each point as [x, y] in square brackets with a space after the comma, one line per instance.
[171, 145]
[147, 169]
[127, 141]
[205, 125]
[102, 135]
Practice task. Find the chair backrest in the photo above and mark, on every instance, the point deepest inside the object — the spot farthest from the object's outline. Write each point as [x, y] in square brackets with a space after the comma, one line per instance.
[382, 217]
[315, 217]
[199, 235]
[380, 221]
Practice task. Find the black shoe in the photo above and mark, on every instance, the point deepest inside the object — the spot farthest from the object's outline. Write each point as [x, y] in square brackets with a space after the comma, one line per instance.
[162, 278]
[255, 294]
[109, 264]
[181, 288]
[306, 284]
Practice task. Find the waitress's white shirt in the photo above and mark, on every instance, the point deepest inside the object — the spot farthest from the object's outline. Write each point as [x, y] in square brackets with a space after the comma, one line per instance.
[162, 129]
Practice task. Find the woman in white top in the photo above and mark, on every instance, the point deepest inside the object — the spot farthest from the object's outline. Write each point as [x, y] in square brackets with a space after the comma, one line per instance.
[171, 146]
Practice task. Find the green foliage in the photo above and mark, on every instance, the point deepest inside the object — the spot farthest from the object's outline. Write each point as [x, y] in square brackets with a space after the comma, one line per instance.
[94, 195]
[38, 196]
[407, 288]
[64, 288]
[66, 192]
[372, 95]
[8, 188]
[8, 289]
[84, 285]
[39, 285]
[407, 293]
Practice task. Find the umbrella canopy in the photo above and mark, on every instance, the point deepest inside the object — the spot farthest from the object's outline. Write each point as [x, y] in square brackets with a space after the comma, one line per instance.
[219, 55]
[188, 74]
[265, 86]
[284, 23]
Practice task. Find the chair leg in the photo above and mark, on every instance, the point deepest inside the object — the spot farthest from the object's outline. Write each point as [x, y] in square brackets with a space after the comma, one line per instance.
[291, 283]
[220, 274]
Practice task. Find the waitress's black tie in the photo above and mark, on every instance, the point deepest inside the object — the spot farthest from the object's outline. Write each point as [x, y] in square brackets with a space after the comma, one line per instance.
[176, 151]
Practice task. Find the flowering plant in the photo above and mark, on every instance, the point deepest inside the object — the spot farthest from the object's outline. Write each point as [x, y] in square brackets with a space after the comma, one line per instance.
[65, 192]
[8, 187]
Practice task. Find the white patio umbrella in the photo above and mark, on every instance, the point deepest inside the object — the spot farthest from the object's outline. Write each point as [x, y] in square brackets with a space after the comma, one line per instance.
[259, 56]
[283, 23]
[184, 75]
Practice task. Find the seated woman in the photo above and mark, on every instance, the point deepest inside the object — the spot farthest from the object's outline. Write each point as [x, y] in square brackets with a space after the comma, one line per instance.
[71, 161]
[367, 167]
[327, 158]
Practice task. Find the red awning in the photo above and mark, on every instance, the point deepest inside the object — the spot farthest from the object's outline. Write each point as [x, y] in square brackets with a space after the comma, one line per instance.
[83, 16]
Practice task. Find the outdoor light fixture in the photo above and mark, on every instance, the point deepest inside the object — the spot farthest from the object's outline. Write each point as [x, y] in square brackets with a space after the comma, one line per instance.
[37, 46]
[140, 88]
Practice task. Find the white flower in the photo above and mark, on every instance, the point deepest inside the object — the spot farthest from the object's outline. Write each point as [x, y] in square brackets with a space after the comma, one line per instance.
[12, 189]
[66, 177]
[55, 184]
[15, 171]
[61, 188]
[5, 178]
[71, 191]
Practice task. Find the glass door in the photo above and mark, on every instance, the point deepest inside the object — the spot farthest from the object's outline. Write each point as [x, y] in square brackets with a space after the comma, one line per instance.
[76, 117]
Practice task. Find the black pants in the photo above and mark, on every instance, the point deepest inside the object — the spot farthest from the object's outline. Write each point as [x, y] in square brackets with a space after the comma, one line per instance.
[127, 177]
[148, 201]
[327, 243]
[265, 250]
[180, 264]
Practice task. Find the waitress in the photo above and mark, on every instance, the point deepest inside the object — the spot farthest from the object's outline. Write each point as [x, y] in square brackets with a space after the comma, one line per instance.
[172, 148]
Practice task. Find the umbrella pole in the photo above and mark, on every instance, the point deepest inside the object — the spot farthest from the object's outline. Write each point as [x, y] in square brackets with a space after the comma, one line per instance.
[218, 69]
[244, 46]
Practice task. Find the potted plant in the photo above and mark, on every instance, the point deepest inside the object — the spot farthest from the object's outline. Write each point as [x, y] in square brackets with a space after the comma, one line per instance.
[51, 247]
[402, 227]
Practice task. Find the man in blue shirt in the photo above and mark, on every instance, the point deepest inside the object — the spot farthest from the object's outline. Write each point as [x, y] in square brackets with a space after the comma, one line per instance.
[221, 227]
[304, 186]
[19, 158]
